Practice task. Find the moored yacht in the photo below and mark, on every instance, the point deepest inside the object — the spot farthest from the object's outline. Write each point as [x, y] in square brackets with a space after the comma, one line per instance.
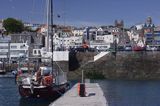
[46, 81]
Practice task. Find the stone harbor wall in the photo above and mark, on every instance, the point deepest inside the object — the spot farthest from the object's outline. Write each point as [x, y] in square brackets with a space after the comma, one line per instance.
[123, 65]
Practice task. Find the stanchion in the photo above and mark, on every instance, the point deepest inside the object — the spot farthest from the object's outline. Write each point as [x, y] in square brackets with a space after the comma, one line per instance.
[81, 90]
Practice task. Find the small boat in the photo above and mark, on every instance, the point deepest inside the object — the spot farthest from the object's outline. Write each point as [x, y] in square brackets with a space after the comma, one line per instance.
[2, 69]
[128, 48]
[138, 48]
[43, 83]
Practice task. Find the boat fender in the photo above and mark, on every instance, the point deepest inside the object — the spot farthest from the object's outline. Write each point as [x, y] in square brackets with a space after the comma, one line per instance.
[47, 80]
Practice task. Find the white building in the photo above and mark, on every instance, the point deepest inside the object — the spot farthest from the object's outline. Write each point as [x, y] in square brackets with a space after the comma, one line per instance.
[102, 46]
[139, 26]
[136, 39]
[103, 42]
[89, 34]
[1, 26]
[100, 32]
[67, 42]
[5, 38]
[57, 55]
[43, 29]
[64, 42]
[105, 38]
[32, 26]
[13, 50]
[78, 32]
[133, 36]
[109, 38]
[36, 52]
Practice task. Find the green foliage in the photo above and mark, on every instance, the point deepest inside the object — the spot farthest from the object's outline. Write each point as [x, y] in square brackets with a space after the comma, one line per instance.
[13, 26]
[94, 74]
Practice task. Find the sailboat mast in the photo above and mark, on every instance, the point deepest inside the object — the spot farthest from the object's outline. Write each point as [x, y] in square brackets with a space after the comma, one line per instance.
[48, 25]
[52, 34]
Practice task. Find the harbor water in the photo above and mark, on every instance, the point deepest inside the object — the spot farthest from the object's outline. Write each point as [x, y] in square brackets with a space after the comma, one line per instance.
[117, 92]
[131, 93]
[9, 95]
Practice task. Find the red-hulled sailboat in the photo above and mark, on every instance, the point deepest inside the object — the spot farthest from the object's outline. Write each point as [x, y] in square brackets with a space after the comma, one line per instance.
[46, 81]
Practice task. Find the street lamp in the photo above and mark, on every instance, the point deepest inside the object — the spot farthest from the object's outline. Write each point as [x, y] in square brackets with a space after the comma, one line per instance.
[81, 86]
[82, 80]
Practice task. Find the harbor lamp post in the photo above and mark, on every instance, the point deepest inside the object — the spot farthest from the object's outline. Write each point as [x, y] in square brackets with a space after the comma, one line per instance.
[81, 86]
[82, 80]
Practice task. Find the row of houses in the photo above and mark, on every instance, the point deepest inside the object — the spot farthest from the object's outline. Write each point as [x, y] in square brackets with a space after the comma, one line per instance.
[35, 43]
[140, 35]
[145, 35]
[12, 51]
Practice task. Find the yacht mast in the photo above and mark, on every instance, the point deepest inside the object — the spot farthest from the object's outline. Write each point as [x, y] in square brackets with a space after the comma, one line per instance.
[49, 42]
[48, 25]
[52, 34]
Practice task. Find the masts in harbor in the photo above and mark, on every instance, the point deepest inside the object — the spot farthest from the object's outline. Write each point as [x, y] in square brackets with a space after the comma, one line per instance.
[49, 25]
[50, 29]
[52, 34]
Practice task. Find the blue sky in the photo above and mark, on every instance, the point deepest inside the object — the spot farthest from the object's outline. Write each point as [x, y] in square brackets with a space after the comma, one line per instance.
[83, 12]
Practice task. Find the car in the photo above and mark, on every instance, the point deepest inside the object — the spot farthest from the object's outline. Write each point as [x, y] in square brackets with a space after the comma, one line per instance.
[102, 48]
[154, 48]
[120, 48]
[128, 48]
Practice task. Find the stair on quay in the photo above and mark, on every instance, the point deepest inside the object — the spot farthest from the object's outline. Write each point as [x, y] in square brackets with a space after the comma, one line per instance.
[100, 55]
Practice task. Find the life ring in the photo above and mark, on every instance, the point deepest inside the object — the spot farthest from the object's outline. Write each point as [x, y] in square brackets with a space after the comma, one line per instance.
[47, 80]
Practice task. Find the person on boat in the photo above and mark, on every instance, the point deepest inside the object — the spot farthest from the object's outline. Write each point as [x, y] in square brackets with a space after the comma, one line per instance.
[44, 76]
[38, 76]
[47, 78]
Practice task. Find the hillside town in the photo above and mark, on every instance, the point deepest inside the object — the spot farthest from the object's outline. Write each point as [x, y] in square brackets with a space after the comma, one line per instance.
[116, 37]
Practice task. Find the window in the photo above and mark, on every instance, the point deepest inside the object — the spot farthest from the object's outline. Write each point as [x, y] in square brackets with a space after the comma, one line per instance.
[32, 39]
[22, 46]
[13, 47]
[3, 47]
[39, 52]
[35, 52]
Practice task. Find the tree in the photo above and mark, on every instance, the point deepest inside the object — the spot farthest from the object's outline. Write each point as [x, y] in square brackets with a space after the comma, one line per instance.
[13, 26]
